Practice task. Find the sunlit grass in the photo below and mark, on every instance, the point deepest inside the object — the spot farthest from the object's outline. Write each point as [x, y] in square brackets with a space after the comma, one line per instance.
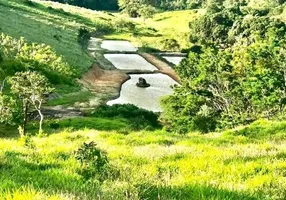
[149, 165]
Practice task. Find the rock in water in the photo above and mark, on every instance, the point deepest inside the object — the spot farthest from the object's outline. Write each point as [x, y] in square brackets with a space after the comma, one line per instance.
[142, 83]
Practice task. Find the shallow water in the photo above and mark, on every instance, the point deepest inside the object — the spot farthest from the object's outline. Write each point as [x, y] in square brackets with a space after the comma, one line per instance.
[174, 59]
[117, 45]
[129, 62]
[147, 98]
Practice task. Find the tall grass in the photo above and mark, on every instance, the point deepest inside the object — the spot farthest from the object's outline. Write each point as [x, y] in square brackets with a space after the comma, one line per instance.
[148, 165]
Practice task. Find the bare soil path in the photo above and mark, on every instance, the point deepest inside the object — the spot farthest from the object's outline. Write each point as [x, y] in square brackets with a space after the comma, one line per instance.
[163, 67]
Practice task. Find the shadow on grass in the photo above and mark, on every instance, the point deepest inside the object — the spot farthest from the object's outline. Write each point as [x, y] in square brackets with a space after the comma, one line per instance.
[8, 131]
[262, 130]
[191, 192]
[81, 123]
[18, 170]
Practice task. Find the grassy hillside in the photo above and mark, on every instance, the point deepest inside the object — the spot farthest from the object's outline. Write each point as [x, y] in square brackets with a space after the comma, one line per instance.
[57, 25]
[247, 163]
[167, 25]
[38, 24]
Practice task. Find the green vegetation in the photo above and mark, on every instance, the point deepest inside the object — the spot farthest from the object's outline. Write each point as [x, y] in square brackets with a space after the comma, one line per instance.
[146, 165]
[52, 27]
[232, 82]
[234, 74]
[93, 4]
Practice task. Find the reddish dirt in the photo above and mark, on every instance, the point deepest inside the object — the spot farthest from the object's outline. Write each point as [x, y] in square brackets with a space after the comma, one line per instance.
[162, 66]
[99, 80]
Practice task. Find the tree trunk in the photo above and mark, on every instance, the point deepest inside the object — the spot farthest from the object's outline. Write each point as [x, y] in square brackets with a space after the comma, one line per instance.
[41, 121]
[25, 116]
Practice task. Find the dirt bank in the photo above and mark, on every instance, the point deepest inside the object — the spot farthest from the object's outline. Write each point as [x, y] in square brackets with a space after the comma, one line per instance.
[102, 81]
[162, 66]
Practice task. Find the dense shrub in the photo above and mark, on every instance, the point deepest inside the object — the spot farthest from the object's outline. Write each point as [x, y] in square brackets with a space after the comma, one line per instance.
[232, 86]
[170, 44]
[122, 25]
[83, 37]
[18, 55]
[29, 3]
[103, 28]
[93, 160]
[138, 118]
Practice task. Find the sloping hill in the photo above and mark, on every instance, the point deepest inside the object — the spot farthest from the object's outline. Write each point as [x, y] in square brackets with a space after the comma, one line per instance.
[39, 24]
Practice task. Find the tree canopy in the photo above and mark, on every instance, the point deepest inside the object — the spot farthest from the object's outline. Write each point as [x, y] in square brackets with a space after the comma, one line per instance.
[237, 76]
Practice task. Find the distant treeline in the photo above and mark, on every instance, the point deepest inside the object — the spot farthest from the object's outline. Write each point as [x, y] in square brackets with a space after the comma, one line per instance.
[93, 4]
[113, 4]
[164, 4]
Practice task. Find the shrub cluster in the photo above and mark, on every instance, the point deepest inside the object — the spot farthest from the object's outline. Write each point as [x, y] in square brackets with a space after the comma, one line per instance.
[83, 37]
[94, 162]
[138, 118]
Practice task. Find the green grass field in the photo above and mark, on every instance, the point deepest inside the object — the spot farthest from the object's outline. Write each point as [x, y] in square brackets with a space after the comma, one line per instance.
[57, 25]
[246, 163]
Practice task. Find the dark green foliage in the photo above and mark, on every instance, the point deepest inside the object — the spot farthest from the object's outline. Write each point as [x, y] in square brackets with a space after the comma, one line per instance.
[83, 37]
[54, 125]
[138, 118]
[29, 3]
[92, 159]
[170, 44]
[214, 27]
[90, 154]
[137, 8]
[234, 75]
[103, 28]
[93, 4]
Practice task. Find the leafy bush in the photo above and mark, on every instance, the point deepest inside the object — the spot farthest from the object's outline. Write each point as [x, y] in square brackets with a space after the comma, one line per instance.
[138, 118]
[237, 86]
[83, 37]
[103, 28]
[93, 160]
[122, 25]
[18, 55]
[170, 44]
[29, 3]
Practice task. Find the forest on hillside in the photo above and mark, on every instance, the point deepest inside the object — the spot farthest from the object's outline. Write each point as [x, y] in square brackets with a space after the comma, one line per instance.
[163, 4]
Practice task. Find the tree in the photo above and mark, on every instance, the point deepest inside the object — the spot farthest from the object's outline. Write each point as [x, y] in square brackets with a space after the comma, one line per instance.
[137, 8]
[147, 11]
[223, 88]
[8, 109]
[31, 88]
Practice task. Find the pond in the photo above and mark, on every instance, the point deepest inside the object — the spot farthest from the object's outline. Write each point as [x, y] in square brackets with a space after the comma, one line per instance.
[118, 45]
[130, 62]
[147, 98]
[174, 59]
